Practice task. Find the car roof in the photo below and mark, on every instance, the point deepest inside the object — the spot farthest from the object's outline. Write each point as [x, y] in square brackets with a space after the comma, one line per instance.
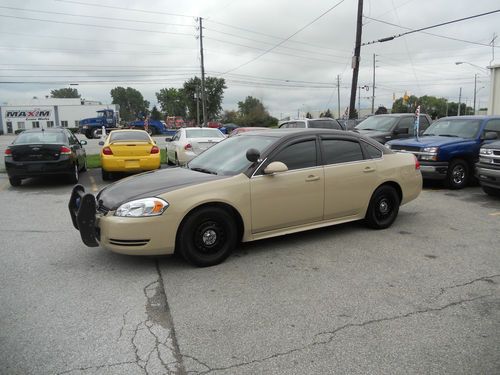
[127, 130]
[395, 115]
[472, 117]
[49, 130]
[291, 132]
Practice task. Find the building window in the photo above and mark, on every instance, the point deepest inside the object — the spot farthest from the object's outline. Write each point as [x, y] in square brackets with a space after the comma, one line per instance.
[77, 123]
[35, 124]
[64, 124]
[50, 124]
[20, 124]
[9, 127]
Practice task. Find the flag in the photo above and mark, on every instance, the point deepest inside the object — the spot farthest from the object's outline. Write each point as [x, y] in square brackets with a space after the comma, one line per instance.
[417, 122]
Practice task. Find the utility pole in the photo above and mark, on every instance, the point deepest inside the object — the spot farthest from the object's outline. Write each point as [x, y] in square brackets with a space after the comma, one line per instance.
[203, 98]
[338, 94]
[373, 86]
[475, 84]
[493, 48]
[355, 59]
[459, 99]
[197, 105]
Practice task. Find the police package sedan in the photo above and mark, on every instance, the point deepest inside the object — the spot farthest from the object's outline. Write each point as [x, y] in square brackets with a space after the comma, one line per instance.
[248, 187]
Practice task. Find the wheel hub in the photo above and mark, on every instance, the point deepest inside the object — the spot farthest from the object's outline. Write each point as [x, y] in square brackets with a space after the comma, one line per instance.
[458, 175]
[383, 206]
[209, 237]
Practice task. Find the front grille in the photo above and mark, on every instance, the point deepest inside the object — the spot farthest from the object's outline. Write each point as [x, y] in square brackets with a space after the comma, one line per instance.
[405, 148]
[131, 243]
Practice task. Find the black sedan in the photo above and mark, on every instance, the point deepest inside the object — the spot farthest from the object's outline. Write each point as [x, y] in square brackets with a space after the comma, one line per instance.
[41, 152]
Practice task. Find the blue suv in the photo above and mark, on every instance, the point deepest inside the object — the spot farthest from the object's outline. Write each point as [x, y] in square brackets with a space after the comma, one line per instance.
[449, 147]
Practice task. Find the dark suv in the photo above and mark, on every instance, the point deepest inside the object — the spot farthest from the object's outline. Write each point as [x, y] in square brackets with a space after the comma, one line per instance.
[383, 128]
[322, 123]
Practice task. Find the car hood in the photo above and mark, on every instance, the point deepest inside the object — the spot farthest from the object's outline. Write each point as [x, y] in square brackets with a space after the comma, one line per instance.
[373, 133]
[434, 141]
[150, 184]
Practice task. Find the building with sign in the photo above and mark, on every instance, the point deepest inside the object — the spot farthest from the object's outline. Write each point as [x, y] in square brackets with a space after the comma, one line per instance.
[47, 113]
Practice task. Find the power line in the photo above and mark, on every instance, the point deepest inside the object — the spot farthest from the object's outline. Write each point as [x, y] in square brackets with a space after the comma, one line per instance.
[432, 34]
[93, 25]
[104, 52]
[286, 39]
[430, 27]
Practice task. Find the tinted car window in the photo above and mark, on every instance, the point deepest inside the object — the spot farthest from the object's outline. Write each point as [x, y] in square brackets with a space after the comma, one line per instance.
[325, 124]
[341, 151]
[493, 126]
[298, 155]
[41, 137]
[450, 127]
[129, 136]
[424, 123]
[379, 122]
[299, 124]
[204, 133]
[372, 151]
[407, 123]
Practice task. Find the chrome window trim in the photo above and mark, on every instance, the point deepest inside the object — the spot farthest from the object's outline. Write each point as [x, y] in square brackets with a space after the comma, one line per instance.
[290, 170]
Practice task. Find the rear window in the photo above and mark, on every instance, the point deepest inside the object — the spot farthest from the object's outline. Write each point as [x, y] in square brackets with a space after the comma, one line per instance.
[129, 136]
[204, 133]
[325, 124]
[40, 138]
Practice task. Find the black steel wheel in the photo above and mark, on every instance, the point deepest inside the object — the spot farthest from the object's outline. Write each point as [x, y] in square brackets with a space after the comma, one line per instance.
[458, 174]
[96, 133]
[208, 236]
[75, 174]
[383, 208]
[14, 181]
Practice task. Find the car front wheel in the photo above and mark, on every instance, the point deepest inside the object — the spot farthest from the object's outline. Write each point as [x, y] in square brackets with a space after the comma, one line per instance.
[491, 191]
[383, 208]
[14, 181]
[458, 174]
[208, 236]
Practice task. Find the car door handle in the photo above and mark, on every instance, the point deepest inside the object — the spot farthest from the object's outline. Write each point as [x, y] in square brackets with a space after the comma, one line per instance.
[369, 169]
[311, 178]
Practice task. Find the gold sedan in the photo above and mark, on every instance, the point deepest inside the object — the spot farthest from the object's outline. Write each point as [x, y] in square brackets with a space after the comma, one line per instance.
[128, 151]
[248, 187]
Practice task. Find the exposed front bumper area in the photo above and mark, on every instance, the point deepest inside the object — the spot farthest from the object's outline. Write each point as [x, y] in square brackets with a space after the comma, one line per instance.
[124, 235]
[434, 170]
[489, 177]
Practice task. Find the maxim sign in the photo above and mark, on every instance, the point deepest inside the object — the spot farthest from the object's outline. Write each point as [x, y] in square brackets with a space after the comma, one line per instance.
[35, 114]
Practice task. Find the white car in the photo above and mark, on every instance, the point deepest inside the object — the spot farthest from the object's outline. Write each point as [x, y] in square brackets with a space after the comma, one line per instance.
[190, 142]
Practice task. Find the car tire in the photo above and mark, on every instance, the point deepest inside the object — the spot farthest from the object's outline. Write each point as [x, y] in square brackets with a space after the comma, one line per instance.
[207, 236]
[75, 175]
[96, 133]
[106, 176]
[491, 191]
[383, 208]
[88, 134]
[458, 174]
[169, 162]
[14, 181]
[84, 169]
[176, 160]
[151, 131]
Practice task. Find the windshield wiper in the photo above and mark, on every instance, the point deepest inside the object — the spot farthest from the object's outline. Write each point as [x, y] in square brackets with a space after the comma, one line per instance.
[203, 170]
[427, 135]
[448, 135]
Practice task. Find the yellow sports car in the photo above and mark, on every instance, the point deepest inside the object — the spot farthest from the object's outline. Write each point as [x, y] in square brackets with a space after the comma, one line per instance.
[128, 151]
[248, 187]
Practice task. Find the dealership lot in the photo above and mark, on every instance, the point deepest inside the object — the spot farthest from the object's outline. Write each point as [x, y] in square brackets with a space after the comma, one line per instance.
[420, 297]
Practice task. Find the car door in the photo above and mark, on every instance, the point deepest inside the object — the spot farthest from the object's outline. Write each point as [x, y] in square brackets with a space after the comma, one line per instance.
[76, 147]
[290, 198]
[171, 146]
[350, 177]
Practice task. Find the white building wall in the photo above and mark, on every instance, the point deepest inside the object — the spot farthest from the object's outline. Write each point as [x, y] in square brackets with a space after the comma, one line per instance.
[494, 102]
[47, 112]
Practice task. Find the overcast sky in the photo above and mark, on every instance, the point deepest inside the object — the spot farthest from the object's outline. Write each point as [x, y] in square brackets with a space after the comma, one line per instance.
[150, 45]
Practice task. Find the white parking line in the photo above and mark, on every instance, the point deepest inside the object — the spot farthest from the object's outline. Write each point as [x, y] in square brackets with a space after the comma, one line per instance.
[495, 214]
[93, 184]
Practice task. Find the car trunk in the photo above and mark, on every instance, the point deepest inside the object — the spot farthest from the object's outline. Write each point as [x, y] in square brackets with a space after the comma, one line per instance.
[35, 152]
[201, 144]
[131, 148]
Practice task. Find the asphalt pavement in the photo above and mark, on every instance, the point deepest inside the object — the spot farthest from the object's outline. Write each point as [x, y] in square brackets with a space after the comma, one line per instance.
[420, 297]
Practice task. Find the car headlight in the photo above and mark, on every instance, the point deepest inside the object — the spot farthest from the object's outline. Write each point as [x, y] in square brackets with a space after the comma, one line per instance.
[388, 146]
[486, 151]
[432, 150]
[142, 208]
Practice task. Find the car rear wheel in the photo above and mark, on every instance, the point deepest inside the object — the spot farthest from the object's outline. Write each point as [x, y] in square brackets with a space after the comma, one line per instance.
[169, 162]
[14, 181]
[491, 191]
[105, 175]
[176, 160]
[383, 208]
[208, 236]
[458, 174]
[96, 133]
[74, 176]
[84, 169]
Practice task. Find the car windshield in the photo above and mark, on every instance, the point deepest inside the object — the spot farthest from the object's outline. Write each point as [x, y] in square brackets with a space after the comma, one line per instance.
[229, 156]
[463, 128]
[129, 136]
[203, 133]
[40, 137]
[324, 124]
[380, 123]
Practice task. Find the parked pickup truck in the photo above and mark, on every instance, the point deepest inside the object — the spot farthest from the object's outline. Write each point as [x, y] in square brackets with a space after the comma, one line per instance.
[488, 167]
[449, 148]
[384, 128]
[154, 127]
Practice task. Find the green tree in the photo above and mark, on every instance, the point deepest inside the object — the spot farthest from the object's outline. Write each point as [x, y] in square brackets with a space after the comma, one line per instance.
[381, 110]
[308, 115]
[327, 114]
[172, 101]
[66, 92]
[229, 116]
[402, 106]
[131, 102]
[155, 114]
[214, 93]
[253, 113]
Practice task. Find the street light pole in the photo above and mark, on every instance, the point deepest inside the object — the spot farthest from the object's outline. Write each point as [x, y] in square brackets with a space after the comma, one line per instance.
[475, 84]
[459, 99]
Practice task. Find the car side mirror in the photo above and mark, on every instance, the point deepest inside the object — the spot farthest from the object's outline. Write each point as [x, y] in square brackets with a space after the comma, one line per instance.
[253, 155]
[275, 167]
[83, 142]
[101, 143]
[168, 139]
[488, 136]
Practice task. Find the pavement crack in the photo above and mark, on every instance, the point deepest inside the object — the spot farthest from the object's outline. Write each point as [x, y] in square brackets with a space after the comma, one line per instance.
[488, 279]
[331, 334]
[96, 367]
